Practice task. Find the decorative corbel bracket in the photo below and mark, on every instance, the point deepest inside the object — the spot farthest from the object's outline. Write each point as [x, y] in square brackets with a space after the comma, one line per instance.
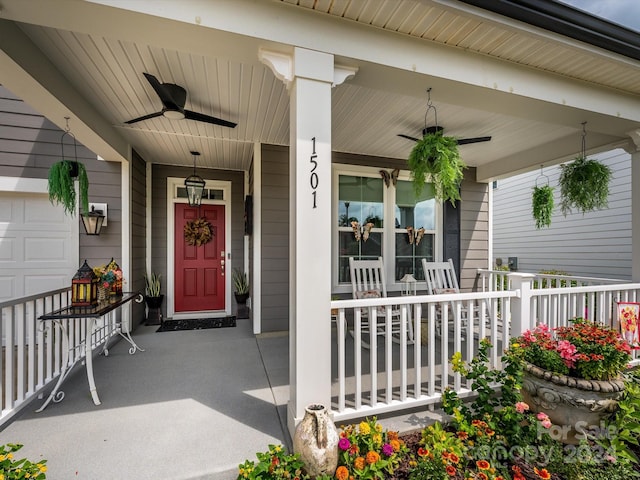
[281, 64]
[634, 144]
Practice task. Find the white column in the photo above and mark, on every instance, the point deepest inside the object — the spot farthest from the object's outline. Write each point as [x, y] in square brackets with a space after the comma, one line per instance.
[310, 233]
[309, 76]
[521, 306]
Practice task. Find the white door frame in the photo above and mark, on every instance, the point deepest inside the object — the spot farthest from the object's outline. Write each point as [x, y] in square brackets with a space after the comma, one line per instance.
[172, 188]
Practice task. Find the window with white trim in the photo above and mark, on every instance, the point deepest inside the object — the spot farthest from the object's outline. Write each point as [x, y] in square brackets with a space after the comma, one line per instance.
[375, 220]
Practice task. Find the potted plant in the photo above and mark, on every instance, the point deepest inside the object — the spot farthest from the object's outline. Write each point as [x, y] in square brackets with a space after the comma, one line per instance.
[542, 203]
[153, 298]
[584, 185]
[61, 185]
[572, 374]
[437, 156]
[240, 286]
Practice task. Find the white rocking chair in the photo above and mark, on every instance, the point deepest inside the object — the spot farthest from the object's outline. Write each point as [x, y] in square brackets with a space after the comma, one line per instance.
[368, 281]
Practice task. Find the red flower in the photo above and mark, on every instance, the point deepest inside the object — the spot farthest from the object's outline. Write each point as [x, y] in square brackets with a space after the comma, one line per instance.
[483, 465]
[543, 473]
[451, 470]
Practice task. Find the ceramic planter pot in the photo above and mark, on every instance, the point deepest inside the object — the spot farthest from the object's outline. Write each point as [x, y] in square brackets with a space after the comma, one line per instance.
[574, 405]
[316, 440]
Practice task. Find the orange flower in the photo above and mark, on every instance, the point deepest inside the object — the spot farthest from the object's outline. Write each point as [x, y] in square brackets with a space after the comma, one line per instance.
[423, 452]
[451, 470]
[481, 476]
[543, 473]
[372, 457]
[342, 473]
[358, 463]
[392, 435]
[454, 458]
[463, 435]
[483, 465]
[395, 443]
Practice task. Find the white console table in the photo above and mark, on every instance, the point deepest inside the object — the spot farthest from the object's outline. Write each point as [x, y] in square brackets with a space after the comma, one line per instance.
[100, 318]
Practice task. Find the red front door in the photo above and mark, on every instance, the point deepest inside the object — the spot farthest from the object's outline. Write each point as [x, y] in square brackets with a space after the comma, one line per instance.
[199, 270]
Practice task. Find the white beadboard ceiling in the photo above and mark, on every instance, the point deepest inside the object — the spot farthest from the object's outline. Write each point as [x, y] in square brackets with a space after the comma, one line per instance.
[105, 67]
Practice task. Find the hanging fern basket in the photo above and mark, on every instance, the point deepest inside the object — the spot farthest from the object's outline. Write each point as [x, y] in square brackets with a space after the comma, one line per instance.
[542, 205]
[584, 185]
[437, 157]
[62, 189]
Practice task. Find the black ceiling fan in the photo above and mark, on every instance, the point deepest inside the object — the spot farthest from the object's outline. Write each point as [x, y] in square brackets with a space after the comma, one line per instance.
[173, 98]
[437, 128]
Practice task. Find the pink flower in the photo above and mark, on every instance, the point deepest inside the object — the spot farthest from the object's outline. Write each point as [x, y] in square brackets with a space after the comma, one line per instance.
[546, 423]
[542, 416]
[521, 407]
[567, 352]
[610, 458]
[344, 444]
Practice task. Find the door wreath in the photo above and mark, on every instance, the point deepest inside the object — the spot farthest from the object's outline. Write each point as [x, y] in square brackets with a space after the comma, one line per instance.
[197, 232]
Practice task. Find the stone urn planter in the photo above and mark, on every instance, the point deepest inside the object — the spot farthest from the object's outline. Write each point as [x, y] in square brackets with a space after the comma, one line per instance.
[316, 440]
[574, 405]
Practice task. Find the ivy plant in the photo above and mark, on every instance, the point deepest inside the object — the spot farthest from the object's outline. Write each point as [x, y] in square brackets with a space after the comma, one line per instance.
[542, 203]
[437, 156]
[62, 189]
[584, 185]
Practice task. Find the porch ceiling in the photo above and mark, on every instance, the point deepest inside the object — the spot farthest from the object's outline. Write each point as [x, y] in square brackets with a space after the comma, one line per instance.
[85, 60]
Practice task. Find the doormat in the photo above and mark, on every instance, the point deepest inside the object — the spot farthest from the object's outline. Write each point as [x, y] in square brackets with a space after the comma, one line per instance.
[197, 324]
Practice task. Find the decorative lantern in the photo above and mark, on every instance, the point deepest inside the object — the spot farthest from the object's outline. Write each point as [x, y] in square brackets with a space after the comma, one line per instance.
[194, 185]
[93, 221]
[409, 285]
[84, 287]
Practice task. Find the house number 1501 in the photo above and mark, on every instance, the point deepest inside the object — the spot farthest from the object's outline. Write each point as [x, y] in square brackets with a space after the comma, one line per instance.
[313, 178]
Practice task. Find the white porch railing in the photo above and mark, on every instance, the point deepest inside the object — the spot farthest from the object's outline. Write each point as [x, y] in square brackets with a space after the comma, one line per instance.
[32, 354]
[379, 372]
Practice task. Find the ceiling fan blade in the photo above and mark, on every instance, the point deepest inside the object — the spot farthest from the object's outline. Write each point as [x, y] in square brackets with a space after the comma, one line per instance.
[408, 137]
[166, 93]
[465, 141]
[145, 117]
[201, 117]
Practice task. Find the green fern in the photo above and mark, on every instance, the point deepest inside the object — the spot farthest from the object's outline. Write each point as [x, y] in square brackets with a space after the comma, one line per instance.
[542, 202]
[437, 156]
[584, 185]
[62, 188]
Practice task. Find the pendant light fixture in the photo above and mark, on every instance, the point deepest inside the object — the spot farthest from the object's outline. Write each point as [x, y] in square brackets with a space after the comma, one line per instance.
[194, 185]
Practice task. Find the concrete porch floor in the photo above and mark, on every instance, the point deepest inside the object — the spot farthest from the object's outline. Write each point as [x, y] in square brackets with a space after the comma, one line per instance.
[193, 405]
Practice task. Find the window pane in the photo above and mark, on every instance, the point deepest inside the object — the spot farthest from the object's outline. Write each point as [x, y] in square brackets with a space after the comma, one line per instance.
[412, 214]
[412, 211]
[360, 199]
[371, 249]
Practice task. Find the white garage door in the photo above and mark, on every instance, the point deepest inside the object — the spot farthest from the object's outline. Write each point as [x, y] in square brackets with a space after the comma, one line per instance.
[38, 245]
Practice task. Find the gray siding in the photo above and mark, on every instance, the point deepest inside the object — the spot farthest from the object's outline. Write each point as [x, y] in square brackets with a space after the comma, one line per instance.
[275, 238]
[596, 244]
[30, 144]
[474, 229]
[159, 215]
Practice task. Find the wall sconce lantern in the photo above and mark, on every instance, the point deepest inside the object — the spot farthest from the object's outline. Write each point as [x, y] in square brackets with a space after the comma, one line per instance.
[194, 185]
[409, 285]
[84, 287]
[93, 221]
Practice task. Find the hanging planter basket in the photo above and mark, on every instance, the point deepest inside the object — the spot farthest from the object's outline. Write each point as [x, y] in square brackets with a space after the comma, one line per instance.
[584, 183]
[61, 181]
[437, 158]
[542, 202]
